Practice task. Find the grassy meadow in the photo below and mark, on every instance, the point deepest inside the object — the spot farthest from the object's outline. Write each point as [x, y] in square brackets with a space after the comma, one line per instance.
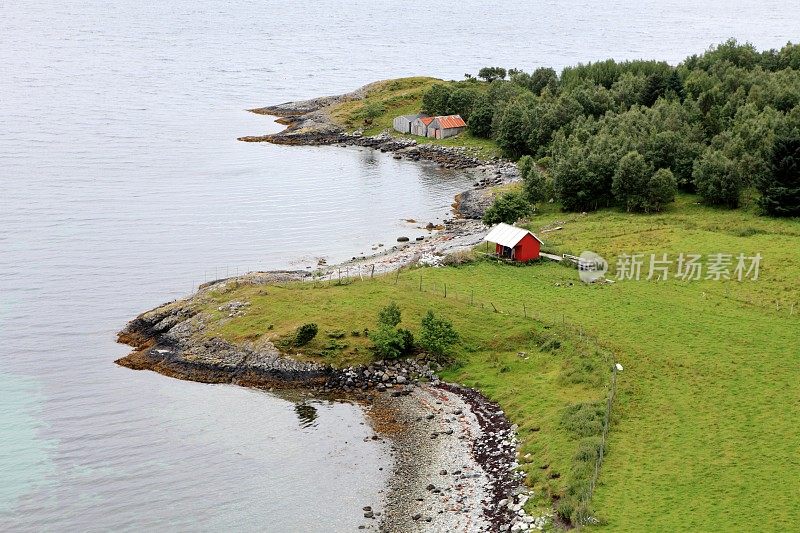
[704, 429]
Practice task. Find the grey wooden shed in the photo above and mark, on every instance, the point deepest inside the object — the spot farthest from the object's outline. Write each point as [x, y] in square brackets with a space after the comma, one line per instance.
[403, 122]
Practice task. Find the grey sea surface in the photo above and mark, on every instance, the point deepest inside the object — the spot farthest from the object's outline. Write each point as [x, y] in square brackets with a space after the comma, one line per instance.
[123, 187]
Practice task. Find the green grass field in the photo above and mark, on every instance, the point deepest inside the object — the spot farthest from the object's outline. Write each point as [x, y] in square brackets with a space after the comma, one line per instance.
[403, 96]
[704, 433]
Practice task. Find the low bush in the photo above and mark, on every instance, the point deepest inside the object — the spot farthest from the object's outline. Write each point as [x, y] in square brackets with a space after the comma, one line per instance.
[391, 343]
[584, 419]
[437, 336]
[389, 316]
[583, 369]
[588, 450]
[508, 208]
[305, 334]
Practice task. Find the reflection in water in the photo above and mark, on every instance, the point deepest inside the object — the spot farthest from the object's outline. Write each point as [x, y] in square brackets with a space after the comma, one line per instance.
[368, 157]
[307, 414]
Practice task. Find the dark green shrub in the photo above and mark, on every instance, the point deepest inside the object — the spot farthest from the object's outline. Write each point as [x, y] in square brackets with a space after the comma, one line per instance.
[408, 340]
[305, 334]
[391, 343]
[436, 99]
[389, 316]
[437, 336]
[492, 73]
[480, 120]
[370, 112]
[716, 179]
[508, 208]
[661, 190]
[780, 189]
[630, 182]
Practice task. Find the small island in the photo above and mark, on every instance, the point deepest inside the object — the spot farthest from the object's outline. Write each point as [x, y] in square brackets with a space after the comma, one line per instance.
[517, 396]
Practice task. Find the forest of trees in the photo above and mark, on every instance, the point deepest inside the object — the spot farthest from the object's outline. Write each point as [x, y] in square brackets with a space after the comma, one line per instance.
[633, 133]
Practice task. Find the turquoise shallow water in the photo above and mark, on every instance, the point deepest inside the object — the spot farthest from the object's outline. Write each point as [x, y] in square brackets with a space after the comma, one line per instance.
[123, 186]
[24, 455]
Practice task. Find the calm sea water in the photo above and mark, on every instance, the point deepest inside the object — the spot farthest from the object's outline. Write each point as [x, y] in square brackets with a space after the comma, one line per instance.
[123, 187]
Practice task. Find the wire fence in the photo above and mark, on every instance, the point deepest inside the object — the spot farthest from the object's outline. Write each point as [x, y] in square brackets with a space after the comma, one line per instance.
[414, 280]
[612, 391]
[383, 271]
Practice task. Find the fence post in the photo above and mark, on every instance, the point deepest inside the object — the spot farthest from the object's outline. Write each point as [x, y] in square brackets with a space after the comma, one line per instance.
[420, 282]
[472, 297]
[524, 310]
[372, 274]
[445, 290]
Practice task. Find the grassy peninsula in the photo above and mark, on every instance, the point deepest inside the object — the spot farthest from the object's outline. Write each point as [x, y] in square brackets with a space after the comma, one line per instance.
[387, 99]
[703, 425]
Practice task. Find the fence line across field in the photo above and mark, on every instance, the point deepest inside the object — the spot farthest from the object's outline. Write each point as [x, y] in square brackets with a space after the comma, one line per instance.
[408, 279]
[368, 271]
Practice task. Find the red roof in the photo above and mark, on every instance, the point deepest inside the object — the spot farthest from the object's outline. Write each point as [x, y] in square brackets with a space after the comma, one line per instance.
[426, 120]
[451, 121]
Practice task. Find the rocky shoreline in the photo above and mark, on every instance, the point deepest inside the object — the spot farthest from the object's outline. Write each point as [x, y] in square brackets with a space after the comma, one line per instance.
[454, 451]
[309, 123]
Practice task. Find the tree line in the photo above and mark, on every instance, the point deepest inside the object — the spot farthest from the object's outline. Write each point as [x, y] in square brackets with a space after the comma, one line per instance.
[633, 133]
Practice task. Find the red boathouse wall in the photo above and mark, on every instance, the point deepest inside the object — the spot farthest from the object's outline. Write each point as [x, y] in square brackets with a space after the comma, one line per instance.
[526, 249]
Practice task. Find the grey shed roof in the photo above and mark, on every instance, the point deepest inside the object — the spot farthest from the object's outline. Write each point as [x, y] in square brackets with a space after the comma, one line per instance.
[506, 235]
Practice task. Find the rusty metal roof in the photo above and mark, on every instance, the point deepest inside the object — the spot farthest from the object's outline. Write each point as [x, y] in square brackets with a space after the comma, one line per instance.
[427, 120]
[451, 121]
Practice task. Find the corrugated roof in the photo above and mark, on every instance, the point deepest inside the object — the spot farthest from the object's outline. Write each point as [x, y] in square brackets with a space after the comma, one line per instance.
[451, 121]
[506, 235]
[426, 120]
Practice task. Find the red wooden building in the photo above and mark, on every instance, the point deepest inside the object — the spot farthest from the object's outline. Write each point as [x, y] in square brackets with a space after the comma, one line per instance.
[514, 243]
